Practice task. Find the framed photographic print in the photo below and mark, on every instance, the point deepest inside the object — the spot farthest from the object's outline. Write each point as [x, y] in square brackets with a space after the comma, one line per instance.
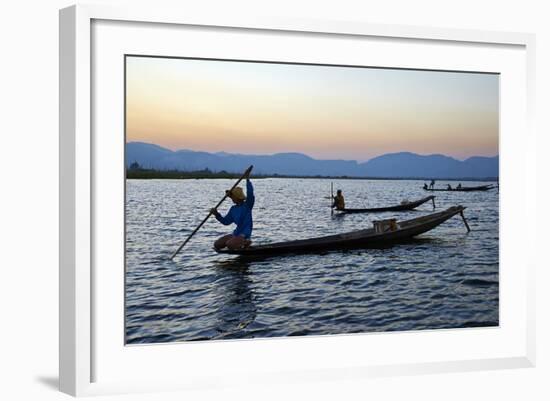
[289, 200]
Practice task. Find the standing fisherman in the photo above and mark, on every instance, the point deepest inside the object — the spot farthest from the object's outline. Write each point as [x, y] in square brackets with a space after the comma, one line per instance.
[240, 214]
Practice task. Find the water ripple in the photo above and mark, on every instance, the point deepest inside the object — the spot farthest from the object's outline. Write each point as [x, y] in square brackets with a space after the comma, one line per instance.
[445, 278]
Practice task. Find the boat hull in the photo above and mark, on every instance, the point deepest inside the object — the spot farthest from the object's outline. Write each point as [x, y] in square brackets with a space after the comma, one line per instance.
[352, 240]
[397, 208]
[464, 189]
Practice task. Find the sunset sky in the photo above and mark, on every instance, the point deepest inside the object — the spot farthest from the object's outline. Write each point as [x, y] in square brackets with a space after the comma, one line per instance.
[324, 112]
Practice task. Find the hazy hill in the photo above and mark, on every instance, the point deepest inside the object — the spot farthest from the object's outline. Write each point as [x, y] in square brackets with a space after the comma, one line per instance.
[150, 156]
[406, 164]
[393, 165]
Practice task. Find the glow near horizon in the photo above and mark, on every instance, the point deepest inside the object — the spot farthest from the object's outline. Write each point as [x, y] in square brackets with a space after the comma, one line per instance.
[324, 112]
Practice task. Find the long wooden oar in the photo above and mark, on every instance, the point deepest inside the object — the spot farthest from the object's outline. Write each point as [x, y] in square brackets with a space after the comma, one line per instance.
[246, 173]
[465, 222]
[332, 199]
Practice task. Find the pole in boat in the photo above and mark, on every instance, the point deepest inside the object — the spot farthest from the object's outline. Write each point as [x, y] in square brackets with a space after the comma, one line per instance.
[246, 173]
[331, 199]
[433, 201]
[465, 222]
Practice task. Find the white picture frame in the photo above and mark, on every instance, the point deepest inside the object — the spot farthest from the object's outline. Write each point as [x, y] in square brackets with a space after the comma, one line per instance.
[79, 339]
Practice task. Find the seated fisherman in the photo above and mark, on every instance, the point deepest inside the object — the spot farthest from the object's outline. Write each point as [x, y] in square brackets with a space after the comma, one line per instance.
[339, 203]
[240, 214]
[449, 187]
[425, 186]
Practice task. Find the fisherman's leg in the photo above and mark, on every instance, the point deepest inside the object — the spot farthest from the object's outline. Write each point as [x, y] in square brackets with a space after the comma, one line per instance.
[222, 241]
[237, 242]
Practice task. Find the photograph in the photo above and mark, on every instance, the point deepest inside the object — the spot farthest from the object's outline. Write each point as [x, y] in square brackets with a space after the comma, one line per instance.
[272, 199]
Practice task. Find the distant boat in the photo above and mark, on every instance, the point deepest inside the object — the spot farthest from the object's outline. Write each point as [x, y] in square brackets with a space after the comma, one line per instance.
[398, 208]
[463, 189]
[355, 239]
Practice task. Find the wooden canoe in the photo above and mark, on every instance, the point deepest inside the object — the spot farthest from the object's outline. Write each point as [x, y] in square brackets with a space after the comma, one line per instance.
[463, 189]
[351, 240]
[398, 208]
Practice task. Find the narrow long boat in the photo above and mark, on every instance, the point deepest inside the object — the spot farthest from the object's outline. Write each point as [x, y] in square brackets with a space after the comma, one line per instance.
[398, 208]
[352, 240]
[463, 189]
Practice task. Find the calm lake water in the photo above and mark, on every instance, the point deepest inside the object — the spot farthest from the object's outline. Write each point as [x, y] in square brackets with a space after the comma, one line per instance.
[446, 278]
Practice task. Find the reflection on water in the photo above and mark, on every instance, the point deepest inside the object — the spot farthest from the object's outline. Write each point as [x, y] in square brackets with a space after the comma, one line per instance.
[236, 309]
[442, 279]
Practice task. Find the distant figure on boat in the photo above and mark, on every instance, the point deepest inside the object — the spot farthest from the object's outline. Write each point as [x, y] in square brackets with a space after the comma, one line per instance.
[339, 202]
[449, 187]
[240, 214]
[425, 186]
[432, 183]
[459, 186]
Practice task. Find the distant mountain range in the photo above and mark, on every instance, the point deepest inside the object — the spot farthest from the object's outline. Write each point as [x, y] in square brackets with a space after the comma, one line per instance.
[391, 165]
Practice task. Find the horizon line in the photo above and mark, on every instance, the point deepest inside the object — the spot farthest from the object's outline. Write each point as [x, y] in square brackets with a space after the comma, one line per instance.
[314, 158]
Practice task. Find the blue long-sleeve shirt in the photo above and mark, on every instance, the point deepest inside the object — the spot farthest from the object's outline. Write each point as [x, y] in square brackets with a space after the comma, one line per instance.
[241, 214]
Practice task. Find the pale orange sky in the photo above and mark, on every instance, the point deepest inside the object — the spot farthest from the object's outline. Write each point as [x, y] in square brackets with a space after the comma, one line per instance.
[325, 112]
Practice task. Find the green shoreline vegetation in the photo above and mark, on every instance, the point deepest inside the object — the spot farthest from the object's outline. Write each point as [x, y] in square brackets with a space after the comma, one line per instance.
[137, 172]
